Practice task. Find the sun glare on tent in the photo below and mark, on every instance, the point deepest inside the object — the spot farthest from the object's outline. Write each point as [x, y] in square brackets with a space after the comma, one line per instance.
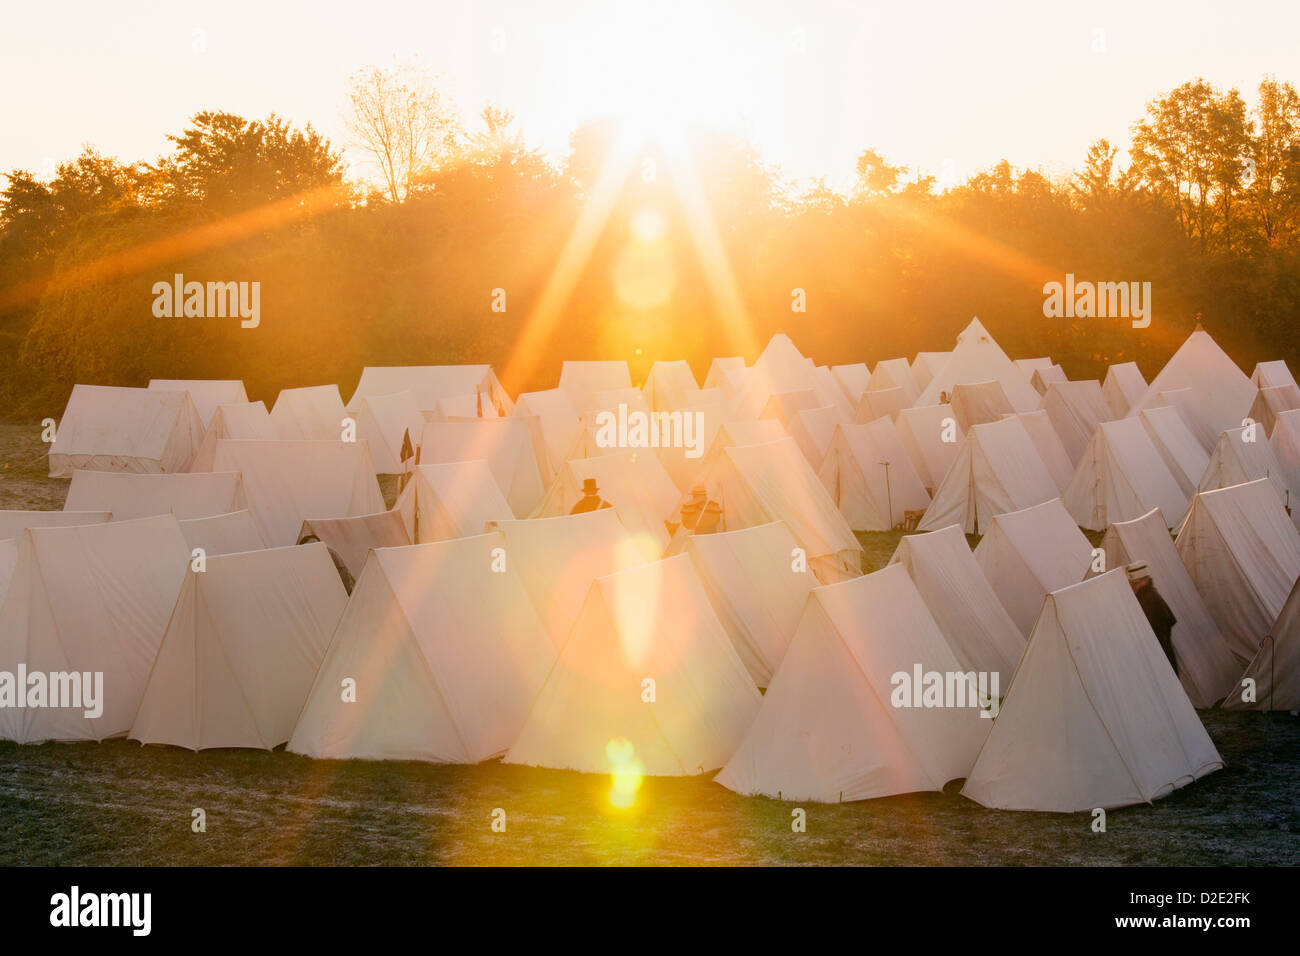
[627, 773]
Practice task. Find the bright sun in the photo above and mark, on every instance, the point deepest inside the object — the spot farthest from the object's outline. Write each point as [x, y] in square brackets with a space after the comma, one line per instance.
[661, 67]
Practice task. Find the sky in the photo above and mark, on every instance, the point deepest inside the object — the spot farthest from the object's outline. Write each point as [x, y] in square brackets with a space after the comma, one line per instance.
[943, 86]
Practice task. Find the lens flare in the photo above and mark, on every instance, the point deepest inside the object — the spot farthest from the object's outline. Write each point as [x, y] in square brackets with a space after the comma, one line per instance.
[627, 773]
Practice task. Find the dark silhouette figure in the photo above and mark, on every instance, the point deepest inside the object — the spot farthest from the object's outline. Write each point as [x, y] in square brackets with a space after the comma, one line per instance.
[591, 499]
[1159, 616]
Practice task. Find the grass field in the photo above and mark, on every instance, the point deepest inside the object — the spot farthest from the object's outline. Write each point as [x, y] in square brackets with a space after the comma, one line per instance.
[119, 803]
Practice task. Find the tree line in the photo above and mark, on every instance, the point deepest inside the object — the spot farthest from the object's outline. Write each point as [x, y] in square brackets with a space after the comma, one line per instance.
[467, 219]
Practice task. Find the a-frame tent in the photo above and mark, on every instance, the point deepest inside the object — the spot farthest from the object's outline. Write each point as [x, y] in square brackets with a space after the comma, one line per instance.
[1122, 387]
[443, 654]
[1121, 476]
[249, 421]
[983, 637]
[757, 484]
[1207, 667]
[978, 358]
[132, 495]
[453, 500]
[241, 650]
[1025, 554]
[90, 599]
[647, 683]
[1221, 394]
[870, 476]
[997, 470]
[1243, 554]
[1274, 672]
[1094, 716]
[353, 538]
[558, 559]
[125, 429]
[758, 587]
[206, 394]
[830, 728]
[286, 482]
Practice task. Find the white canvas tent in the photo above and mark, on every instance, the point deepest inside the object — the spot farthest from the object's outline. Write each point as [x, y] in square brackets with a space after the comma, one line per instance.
[757, 588]
[224, 534]
[452, 500]
[1271, 374]
[385, 422]
[505, 444]
[853, 379]
[1123, 387]
[1271, 402]
[727, 375]
[1076, 409]
[812, 430]
[1275, 669]
[14, 523]
[633, 483]
[1221, 394]
[922, 431]
[880, 403]
[89, 598]
[241, 650]
[1028, 553]
[979, 403]
[558, 559]
[1121, 476]
[894, 373]
[783, 406]
[249, 421]
[1045, 378]
[669, 386]
[559, 420]
[314, 413]
[783, 368]
[828, 729]
[1241, 455]
[998, 469]
[1043, 434]
[125, 429]
[1180, 449]
[1028, 366]
[1243, 555]
[446, 653]
[978, 358]
[973, 621]
[610, 399]
[757, 484]
[286, 482]
[1183, 400]
[1094, 716]
[926, 365]
[1207, 667]
[467, 407]
[206, 394]
[653, 622]
[128, 495]
[683, 461]
[430, 383]
[354, 538]
[582, 380]
[870, 476]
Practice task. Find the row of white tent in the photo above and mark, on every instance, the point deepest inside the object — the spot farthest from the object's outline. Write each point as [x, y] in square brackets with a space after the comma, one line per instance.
[880, 443]
[765, 483]
[536, 638]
